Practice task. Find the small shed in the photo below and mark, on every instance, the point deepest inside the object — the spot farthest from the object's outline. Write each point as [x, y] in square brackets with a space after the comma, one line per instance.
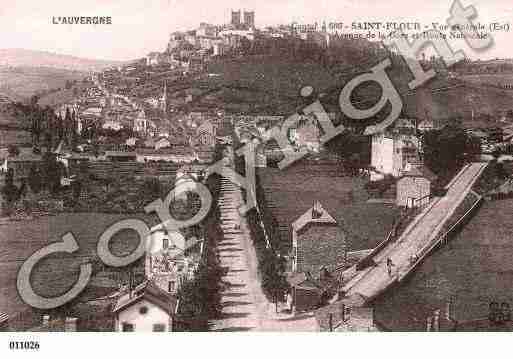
[414, 187]
[306, 294]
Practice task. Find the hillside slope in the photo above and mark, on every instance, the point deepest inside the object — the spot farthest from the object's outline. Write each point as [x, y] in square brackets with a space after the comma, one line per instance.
[266, 84]
[20, 83]
[31, 58]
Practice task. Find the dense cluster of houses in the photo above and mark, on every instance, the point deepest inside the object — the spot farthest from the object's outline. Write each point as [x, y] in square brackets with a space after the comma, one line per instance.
[188, 50]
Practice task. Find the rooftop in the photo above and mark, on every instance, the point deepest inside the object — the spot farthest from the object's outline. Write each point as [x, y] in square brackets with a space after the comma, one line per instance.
[421, 171]
[317, 214]
[152, 293]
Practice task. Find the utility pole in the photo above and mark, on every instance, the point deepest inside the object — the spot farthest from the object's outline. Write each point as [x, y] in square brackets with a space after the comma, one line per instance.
[130, 281]
[276, 299]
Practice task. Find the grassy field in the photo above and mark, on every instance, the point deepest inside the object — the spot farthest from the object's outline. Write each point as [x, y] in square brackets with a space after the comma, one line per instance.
[265, 84]
[57, 272]
[24, 82]
[269, 74]
[62, 96]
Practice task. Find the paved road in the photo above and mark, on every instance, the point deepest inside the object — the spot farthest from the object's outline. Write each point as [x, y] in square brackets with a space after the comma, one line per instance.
[245, 307]
[376, 279]
[242, 297]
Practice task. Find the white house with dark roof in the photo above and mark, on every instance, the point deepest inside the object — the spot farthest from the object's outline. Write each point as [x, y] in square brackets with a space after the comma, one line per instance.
[147, 308]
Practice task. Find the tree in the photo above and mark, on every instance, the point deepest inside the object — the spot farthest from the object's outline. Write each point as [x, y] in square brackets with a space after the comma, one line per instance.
[353, 149]
[13, 150]
[10, 192]
[76, 187]
[74, 130]
[152, 189]
[67, 124]
[34, 100]
[473, 145]
[444, 149]
[35, 119]
[52, 172]
[48, 141]
[60, 128]
[34, 179]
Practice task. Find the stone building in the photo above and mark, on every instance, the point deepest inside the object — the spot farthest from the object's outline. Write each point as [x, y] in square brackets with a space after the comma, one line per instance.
[394, 149]
[236, 19]
[249, 19]
[414, 188]
[317, 241]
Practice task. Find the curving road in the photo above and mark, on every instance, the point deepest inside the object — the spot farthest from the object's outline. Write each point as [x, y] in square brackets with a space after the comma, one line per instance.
[417, 236]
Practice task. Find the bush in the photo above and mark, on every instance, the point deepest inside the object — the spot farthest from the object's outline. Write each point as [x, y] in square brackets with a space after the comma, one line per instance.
[35, 180]
[13, 150]
[380, 186]
[270, 265]
[200, 298]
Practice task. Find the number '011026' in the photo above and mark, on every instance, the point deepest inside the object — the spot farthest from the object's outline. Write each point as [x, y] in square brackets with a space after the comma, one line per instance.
[24, 345]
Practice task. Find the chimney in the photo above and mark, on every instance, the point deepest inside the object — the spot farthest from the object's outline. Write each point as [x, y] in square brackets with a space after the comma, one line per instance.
[429, 322]
[70, 324]
[130, 282]
[436, 321]
[316, 210]
[343, 311]
[448, 310]
[46, 320]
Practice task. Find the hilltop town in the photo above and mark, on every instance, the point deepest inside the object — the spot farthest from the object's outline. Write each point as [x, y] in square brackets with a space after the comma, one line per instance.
[346, 238]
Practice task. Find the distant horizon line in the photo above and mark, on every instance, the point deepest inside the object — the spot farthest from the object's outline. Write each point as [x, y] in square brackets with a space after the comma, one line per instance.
[50, 52]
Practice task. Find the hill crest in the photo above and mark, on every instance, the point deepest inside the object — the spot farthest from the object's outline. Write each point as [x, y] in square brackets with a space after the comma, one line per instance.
[32, 58]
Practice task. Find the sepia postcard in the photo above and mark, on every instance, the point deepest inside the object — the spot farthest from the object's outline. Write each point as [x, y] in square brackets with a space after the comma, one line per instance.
[268, 166]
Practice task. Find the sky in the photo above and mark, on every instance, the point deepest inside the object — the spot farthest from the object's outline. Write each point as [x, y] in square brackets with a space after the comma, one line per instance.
[142, 26]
